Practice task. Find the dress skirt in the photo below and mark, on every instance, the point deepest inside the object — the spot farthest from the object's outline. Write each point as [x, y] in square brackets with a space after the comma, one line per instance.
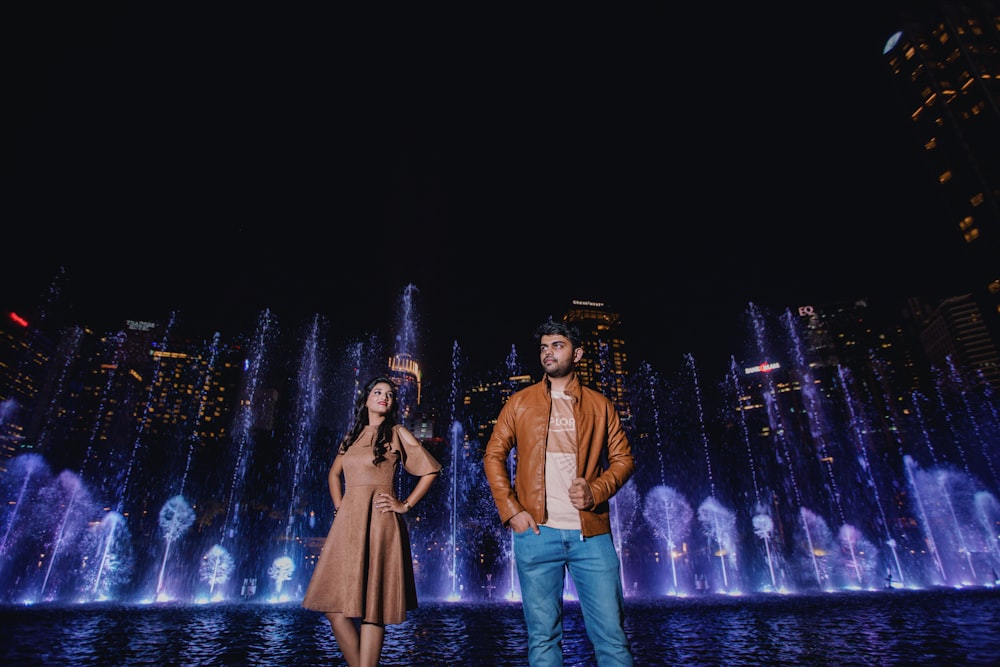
[365, 569]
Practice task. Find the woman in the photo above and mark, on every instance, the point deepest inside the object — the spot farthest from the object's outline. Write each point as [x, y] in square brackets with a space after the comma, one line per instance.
[364, 576]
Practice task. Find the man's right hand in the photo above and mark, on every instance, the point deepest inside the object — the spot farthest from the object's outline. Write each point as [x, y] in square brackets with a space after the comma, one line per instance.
[523, 521]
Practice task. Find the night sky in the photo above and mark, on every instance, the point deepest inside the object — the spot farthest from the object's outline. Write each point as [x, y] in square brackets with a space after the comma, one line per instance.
[676, 164]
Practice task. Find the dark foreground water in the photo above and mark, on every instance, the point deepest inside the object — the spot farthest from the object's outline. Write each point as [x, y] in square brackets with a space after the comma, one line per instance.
[941, 627]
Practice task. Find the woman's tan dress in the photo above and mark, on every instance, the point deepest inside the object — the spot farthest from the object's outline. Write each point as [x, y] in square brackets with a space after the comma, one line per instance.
[365, 569]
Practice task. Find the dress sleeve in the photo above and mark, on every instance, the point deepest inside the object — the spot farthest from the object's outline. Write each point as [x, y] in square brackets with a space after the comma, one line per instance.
[415, 458]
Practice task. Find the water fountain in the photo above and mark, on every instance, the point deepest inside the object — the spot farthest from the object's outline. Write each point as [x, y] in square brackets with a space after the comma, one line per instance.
[772, 490]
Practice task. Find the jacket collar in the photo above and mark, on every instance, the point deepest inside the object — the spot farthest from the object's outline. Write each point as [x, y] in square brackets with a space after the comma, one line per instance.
[572, 387]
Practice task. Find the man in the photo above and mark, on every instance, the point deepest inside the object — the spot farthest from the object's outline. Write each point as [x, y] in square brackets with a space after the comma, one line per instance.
[572, 457]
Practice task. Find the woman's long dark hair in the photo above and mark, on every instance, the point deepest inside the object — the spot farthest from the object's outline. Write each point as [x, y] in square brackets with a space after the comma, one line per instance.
[384, 435]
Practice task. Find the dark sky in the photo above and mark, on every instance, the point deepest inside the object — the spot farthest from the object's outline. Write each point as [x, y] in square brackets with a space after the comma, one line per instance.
[677, 164]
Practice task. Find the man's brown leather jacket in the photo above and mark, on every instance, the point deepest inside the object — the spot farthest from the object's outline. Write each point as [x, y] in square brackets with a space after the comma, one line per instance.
[604, 456]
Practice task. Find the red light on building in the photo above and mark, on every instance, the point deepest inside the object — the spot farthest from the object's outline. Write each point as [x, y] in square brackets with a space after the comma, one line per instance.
[17, 319]
[762, 368]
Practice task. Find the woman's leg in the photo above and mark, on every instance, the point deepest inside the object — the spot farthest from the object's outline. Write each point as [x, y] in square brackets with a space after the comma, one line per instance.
[372, 637]
[346, 634]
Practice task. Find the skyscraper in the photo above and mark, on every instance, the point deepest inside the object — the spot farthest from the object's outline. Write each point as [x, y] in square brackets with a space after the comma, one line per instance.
[954, 329]
[605, 360]
[24, 354]
[945, 58]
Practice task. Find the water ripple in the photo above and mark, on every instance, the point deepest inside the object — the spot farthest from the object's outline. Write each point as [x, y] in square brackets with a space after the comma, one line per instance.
[871, 629]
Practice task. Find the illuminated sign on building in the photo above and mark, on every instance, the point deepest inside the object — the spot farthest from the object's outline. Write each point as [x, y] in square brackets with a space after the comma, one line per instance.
[138, 325]
[595, 304]
[761, 368]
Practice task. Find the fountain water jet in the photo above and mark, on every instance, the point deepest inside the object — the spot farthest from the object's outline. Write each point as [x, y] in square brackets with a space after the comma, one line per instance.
[781, 457]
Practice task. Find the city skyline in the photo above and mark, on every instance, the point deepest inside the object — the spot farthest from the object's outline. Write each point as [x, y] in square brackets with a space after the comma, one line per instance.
[242, 161]
[807, 428]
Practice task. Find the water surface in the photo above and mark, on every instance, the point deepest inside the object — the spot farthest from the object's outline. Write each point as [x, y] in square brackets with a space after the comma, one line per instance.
[939, 627]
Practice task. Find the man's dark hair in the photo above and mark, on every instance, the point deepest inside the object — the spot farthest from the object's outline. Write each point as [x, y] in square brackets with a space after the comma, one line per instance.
[551, 327]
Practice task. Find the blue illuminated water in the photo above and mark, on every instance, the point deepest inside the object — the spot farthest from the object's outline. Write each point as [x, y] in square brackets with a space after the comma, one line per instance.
[825, 489]
[933, 627]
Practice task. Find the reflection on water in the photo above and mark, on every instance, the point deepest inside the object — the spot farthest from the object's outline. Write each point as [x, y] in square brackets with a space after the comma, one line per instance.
[871, 628]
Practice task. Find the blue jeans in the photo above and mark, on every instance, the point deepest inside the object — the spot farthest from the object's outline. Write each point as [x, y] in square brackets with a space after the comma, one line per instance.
[542, 561]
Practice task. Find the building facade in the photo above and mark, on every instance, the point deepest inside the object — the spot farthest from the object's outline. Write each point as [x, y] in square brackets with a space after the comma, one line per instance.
[945, 62]
[604, 365]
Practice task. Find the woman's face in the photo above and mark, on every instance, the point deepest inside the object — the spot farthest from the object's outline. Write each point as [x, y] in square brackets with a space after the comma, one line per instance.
[380, 398]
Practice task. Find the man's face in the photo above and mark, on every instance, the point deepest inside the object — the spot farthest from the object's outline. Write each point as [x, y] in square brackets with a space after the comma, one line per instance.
[557, 355]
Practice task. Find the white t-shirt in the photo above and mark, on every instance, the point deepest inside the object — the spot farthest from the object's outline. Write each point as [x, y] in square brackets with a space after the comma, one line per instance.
[560, 464]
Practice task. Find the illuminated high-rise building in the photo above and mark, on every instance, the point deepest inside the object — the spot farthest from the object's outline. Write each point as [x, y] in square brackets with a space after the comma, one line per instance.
[605, 360]
[405, 372]
[74, 400]
[954, 330]
[24, 357]
[483, 400]
[945, 56]
[191, 390]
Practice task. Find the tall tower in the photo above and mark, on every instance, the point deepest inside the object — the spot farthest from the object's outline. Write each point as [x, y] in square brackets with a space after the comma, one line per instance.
[954, 328]
[945, 59]
[605, 361]
[25, 353]
[405, 372]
